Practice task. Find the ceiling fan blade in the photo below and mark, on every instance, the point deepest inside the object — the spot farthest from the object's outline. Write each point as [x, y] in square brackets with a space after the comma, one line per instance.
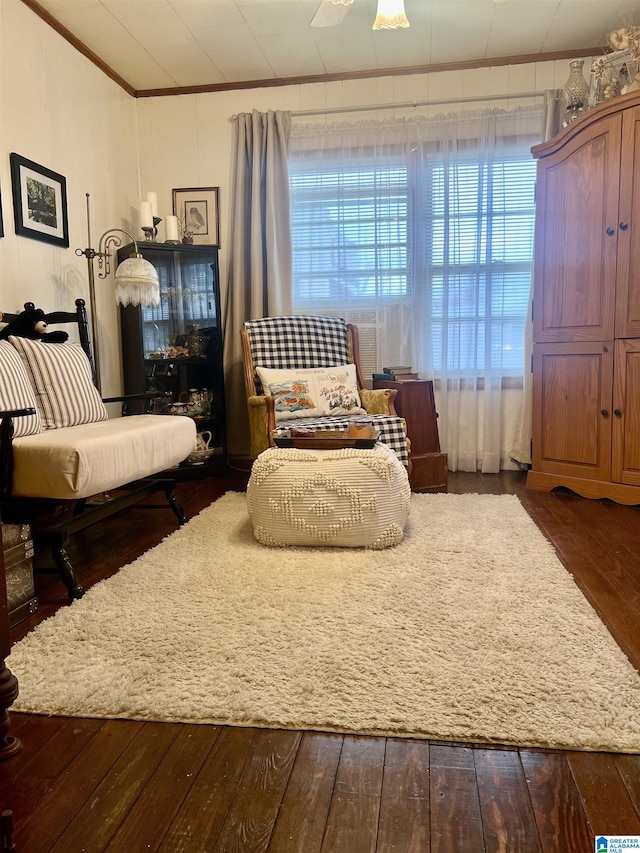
[329, 14]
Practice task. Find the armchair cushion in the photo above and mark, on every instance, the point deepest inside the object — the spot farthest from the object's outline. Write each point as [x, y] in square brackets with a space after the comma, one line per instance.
[61, 377]
[312, 391]
[16, 391]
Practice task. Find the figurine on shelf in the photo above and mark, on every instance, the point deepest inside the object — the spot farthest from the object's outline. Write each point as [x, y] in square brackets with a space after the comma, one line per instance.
[196, 343]
[187, 235]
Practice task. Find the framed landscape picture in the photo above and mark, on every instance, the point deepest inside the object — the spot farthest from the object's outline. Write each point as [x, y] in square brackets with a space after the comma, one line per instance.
[198, 212]
[39, 202]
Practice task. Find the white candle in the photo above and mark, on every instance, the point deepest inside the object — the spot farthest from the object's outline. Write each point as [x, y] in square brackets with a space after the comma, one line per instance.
[146, 216]
[152, 198]
[171, 227]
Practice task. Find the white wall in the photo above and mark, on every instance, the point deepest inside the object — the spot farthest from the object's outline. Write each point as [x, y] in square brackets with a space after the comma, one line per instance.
[59, 110]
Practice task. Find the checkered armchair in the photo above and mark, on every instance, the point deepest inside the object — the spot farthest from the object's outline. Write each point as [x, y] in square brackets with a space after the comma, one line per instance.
[285, 343]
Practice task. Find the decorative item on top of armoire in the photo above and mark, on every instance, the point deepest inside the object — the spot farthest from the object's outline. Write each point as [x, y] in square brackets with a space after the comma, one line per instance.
[176, 348]
[616, 73]
[415, 403]
[576, 91]
[586, 319]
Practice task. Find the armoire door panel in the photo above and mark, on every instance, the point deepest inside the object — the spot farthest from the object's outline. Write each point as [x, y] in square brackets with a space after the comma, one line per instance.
[572, 393]
[628, 226]
[626, 413]
[576, 237]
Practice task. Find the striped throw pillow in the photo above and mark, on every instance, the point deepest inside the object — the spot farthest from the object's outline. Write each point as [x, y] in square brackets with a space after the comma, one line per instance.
[61, 377]
[16, 391]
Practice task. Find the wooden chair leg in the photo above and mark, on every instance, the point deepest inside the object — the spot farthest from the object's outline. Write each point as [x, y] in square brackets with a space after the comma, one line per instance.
[66, 570]
[175, 506]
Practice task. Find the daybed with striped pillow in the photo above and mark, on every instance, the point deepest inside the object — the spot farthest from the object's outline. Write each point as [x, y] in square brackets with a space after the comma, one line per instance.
[70, 449]
[59, 448]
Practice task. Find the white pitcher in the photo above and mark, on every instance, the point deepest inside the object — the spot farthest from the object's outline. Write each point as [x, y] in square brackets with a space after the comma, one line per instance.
[203, 440]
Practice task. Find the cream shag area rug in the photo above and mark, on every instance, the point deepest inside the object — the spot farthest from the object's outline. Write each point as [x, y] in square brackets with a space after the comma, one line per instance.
[469, 630]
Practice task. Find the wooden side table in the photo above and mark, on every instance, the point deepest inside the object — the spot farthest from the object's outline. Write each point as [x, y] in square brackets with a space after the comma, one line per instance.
[415, 403]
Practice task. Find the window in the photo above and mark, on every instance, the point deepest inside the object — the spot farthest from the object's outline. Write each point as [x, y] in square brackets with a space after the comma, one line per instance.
[445, 239]
[349, 232]
[478, 222]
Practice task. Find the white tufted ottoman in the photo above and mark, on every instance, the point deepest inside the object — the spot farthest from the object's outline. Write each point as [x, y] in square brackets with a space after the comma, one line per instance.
[348, 498]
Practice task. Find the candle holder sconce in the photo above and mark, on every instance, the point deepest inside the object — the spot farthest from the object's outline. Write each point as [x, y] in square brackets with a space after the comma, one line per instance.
[151, 232]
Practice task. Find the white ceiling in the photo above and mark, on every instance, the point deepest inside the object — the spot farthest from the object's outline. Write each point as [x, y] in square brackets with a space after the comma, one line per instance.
[164, 44]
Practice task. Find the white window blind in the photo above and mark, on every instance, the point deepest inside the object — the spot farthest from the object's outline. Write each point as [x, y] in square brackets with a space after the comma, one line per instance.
[447, 237]
[349, 232]
[479, 221]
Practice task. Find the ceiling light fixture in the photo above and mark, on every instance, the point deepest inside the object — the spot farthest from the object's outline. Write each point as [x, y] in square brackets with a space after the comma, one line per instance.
[341, 2]
[391, 15]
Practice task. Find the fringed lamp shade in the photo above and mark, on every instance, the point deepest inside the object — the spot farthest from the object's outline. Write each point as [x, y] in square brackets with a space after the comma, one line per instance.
[391, 15]
[137, 282]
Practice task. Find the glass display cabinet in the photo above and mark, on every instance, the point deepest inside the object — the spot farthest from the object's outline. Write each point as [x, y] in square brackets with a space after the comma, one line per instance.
[176, 348]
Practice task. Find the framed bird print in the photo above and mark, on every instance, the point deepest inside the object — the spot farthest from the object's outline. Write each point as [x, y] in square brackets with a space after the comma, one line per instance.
[198, 212]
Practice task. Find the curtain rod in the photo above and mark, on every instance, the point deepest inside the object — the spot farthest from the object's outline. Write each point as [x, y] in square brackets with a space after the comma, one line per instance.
[408, 104]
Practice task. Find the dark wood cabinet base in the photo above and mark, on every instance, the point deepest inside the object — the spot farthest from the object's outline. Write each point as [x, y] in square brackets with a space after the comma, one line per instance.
[428, 472]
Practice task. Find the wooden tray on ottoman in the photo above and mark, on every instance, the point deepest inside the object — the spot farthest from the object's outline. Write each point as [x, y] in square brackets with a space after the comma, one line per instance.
[324, 439]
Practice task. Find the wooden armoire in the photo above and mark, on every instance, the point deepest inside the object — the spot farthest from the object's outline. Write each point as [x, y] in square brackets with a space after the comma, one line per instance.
[586, 307]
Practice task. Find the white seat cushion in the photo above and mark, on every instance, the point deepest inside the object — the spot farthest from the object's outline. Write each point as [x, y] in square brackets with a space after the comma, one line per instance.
[348, 498]
[80, 461]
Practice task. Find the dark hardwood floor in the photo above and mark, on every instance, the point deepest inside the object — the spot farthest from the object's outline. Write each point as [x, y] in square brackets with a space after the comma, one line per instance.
[117, 785]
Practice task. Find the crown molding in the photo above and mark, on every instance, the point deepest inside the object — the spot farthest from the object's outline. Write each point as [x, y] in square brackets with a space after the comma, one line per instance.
[465, 65]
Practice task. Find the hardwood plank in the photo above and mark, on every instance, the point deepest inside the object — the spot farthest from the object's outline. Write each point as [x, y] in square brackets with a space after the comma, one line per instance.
[465, 482]
[202, 813]
[404, 822]
[559, 814]
[507, 815]
[352, 823]
[628, 767]
[607, 803]
[330, 792]
[72, 788]
[250, 820]
[456, 819]
[303, 813]
[25, 782]
[148, 821]
[95, 823]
